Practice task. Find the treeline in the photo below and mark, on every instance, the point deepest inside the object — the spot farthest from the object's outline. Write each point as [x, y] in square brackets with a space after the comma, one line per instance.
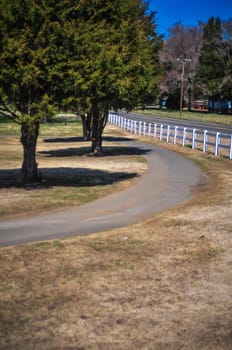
[206, 52]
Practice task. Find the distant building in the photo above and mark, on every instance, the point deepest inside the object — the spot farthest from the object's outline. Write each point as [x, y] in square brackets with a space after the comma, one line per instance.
[220, 106]
[200, 105]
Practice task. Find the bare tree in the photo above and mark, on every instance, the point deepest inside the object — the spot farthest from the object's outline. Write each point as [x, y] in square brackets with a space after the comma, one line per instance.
[183, 43]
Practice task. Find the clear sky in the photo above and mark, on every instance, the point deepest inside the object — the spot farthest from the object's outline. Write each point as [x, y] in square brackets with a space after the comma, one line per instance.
[189, 12]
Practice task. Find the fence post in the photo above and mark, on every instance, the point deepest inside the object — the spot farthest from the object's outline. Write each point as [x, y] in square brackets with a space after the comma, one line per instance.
[155, 130]
[168, 133]
[217, 143]
[175, 134]
[194, 139]
[149, 130]
[161, 131]
[140, 128]
[144, 128]
[184, 137]
[205, 141]
[135, 127]
[125, 124]
[231, 146]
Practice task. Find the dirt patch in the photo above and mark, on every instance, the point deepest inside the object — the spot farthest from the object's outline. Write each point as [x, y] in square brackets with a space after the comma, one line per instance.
[162, 284]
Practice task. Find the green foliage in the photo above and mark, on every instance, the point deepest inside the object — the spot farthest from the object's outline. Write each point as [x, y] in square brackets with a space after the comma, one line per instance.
[212, 62]
[24, 58]
[77, 54]
[115, 60]
[226, 90]
[85, 56]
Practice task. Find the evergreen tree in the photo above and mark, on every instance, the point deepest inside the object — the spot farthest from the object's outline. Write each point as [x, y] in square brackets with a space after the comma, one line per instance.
[226, 89]
[212, 62]
[89, 56]
[27, 57]
[116, 64]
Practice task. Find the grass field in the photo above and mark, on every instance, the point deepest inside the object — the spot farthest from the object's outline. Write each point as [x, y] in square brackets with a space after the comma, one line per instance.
[194, 115]
[161, 284]
[71, 176]
[57, 127]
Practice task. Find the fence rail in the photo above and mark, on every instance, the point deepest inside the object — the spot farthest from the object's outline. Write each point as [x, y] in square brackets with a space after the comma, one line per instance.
[207, 141]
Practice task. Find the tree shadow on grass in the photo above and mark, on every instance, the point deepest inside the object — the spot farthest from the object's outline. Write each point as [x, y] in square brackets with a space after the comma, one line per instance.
[63, 139]
[65, 176]
[81, 139]
[85, 151]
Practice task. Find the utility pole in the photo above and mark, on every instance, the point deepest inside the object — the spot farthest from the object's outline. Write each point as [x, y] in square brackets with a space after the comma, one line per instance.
[183, 62]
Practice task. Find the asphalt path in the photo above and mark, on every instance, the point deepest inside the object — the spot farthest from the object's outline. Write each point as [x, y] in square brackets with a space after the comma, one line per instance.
[211, 127]
[169, 181]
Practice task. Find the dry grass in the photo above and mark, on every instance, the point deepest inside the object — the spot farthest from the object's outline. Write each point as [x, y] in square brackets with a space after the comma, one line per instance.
[71, 176]
[162, 284]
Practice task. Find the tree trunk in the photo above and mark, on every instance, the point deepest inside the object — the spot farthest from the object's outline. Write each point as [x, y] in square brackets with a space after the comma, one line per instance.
[97, 145]
[29, 135]
[86, 126]
[99, 120]
[96, 134]
[189, 99]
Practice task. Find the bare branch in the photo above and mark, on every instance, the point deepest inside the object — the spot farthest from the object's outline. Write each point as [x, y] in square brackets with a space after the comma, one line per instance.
[7, 112]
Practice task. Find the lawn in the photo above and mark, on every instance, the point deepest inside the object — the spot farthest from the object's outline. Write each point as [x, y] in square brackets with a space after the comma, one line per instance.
[70, 175]
[193, 115]
[161, 284]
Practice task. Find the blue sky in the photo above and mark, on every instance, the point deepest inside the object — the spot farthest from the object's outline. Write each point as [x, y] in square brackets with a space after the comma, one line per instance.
[188, 12]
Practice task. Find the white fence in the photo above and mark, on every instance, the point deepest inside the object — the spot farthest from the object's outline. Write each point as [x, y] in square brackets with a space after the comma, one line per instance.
[207, 141]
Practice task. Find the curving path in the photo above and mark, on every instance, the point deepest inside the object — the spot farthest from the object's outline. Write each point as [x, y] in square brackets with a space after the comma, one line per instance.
[168, 182]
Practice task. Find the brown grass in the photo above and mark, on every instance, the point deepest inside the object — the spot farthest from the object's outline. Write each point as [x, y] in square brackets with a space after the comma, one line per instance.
[162, 284]
[70, 175]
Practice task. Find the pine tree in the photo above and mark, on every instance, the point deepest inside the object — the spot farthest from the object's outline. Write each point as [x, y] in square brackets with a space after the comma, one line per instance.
[87, 55]
[226, 89]
[116, 64]
[212, 63]
[26, 72]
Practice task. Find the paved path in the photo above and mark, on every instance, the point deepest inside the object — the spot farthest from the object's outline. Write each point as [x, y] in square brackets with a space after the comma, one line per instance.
[167, 182]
